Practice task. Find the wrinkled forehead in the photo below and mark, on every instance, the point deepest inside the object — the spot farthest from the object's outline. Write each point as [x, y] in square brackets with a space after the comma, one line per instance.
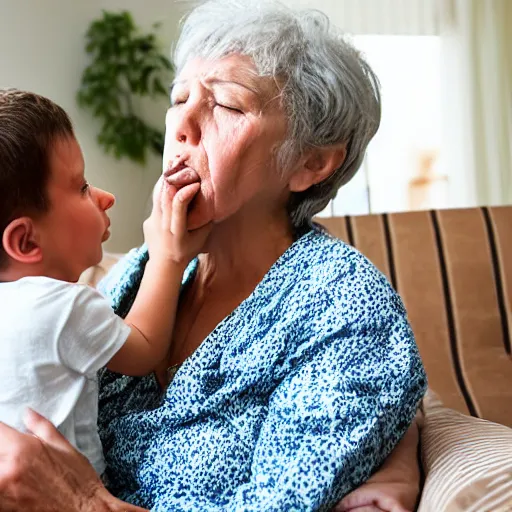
[235, 69]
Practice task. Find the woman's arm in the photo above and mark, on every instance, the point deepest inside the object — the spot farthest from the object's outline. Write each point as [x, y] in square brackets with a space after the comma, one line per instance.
[346, 402]
[333, 421]
[395, 487]
[43, 472]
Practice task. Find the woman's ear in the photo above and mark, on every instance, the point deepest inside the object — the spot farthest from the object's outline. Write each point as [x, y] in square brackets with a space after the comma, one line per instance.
[317, 165]
[20, 242]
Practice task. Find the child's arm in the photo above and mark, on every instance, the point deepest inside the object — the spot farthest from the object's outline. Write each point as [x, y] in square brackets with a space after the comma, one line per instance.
[171, 247]
[151, 320]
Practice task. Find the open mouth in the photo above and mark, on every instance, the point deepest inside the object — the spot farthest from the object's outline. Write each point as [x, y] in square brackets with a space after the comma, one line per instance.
[180, 174]
[177, 166]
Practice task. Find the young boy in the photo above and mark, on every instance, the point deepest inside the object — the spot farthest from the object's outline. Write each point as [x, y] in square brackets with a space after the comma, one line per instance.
[56, 334]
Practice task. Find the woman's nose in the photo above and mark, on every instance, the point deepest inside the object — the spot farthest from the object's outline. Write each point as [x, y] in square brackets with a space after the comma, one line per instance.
[184, 124]
[104, 199]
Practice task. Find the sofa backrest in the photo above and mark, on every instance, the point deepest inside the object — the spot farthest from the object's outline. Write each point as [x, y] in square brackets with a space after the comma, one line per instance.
[453, 269]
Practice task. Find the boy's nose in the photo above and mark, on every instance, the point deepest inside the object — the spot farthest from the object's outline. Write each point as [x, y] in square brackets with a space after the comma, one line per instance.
[104, 199]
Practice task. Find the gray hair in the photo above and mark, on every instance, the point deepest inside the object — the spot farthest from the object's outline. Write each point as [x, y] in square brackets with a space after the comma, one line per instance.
[329, 93]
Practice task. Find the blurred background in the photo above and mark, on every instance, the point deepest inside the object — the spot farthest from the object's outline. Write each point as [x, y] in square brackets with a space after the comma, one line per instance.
[445, 68]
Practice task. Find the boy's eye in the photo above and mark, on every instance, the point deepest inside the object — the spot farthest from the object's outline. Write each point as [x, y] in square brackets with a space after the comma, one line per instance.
[85, 188]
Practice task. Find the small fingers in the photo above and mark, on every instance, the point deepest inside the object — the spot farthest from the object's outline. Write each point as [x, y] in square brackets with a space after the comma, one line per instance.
[157, 192]
[166, 204]
[180, 206]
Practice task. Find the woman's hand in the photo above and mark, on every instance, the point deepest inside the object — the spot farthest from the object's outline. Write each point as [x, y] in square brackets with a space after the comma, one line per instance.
[395, 487]
[43, 472]
[379, 497]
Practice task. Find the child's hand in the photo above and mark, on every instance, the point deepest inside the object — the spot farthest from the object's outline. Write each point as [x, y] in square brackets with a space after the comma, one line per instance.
[165, 231]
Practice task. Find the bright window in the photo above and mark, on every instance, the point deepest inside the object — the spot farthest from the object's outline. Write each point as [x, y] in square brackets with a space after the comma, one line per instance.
[402, 169]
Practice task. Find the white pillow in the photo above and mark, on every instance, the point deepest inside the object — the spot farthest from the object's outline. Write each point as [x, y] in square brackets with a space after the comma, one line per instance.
[467, 461]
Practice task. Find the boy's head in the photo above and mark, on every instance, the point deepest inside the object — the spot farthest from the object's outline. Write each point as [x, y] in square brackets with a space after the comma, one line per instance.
[52, 222]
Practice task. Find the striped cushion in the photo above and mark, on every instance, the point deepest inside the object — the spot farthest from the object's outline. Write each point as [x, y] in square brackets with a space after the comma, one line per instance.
[468, 462]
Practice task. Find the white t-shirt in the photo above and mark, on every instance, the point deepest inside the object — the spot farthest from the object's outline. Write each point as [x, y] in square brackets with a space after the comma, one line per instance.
[54, 337]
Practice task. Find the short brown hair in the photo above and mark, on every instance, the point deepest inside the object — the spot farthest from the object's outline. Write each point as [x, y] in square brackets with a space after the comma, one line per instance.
[29, 126]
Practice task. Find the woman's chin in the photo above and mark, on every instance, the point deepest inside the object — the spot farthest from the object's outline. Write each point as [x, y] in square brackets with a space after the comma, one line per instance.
[200, 213]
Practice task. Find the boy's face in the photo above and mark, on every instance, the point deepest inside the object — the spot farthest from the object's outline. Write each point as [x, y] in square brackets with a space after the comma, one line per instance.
[76, 224]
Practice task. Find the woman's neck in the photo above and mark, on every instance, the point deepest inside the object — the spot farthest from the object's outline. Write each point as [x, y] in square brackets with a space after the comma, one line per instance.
[242, 250]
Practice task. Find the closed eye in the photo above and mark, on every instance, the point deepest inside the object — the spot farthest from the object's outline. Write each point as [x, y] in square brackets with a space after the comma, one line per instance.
[233, 109]
[181, 101]
[178, 98]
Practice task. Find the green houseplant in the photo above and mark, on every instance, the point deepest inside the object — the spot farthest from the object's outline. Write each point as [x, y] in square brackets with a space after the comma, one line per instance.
[125, 66]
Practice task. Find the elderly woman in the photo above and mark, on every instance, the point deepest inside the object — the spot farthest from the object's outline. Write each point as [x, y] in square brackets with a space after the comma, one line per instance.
[292, 372]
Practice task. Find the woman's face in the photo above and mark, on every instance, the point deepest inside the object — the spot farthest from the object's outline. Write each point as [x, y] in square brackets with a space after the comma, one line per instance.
[225, 123]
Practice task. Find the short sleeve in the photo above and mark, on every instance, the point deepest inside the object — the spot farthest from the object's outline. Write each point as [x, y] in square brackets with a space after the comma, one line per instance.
[90, 332]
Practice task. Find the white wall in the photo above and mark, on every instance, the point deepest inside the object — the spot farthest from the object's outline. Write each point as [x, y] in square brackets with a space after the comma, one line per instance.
[42, 50]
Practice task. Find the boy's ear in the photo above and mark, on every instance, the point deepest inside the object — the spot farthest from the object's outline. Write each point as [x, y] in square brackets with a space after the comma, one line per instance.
[20, 242]
[317, 165]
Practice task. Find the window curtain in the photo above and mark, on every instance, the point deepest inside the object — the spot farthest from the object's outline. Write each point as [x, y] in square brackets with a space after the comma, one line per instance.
[385, 17]
[477, 75]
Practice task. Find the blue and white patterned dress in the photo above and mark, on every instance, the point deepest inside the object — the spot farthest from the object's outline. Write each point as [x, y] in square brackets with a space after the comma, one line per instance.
[292, 401]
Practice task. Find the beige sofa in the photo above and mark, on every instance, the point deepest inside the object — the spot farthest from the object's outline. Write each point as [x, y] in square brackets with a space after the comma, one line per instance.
[453, 269]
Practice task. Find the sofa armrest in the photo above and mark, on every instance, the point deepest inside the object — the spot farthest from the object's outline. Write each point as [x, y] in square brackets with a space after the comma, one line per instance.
[467, 462]
[93, 275]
